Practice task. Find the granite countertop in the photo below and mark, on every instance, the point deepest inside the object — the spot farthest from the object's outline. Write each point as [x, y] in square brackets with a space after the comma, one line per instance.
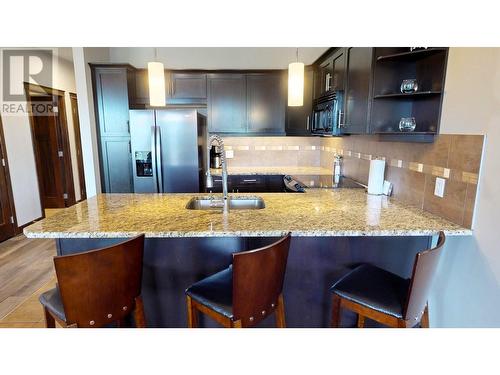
[318, 212]
[294, 171]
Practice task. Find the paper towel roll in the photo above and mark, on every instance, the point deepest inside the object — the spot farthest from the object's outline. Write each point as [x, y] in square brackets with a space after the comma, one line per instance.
[376, 177]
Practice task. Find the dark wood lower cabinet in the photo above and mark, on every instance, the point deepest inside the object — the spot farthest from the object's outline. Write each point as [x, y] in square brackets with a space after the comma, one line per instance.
[116, 165]
[314, 264]
[250, 184]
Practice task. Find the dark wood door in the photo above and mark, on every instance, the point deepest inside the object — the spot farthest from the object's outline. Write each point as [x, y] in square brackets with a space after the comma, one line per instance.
[7, 226]
[112, 101]
[299, 119]
[357, 95]
[49, 158]
[226, 103]
[188, 88]
[78, 144]
[265, 103]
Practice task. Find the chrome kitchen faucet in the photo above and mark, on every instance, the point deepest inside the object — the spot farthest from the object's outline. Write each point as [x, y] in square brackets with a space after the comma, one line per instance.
[210, 180]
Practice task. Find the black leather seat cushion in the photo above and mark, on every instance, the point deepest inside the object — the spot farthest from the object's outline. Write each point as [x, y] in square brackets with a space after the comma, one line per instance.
[215, 291]
[52, 301]
[375, 288]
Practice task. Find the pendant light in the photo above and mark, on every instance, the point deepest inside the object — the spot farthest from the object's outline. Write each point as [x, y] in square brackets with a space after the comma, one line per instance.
[296, 83]
[156, 78]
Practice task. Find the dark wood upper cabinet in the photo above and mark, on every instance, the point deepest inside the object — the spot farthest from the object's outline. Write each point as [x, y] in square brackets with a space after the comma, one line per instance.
[357, 100]
[330, 73]
[298, 119]
[188, 88]
[265, 103]
[338, 70]
[226, 103]
[114, 90]
[141, 97]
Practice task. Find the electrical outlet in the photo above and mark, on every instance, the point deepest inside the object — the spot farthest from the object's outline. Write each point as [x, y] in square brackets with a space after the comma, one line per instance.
[229, 154]
[439, 187]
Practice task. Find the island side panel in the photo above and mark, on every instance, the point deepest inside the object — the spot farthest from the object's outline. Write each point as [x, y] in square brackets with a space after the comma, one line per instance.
[314, 264]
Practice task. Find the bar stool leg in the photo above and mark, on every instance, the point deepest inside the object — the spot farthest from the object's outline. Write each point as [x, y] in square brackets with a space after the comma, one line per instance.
[236, 324]
[424, 322]
[49, 319]
[140, 319]
[280, 313]
[192, 313]
[361, 321]
[336, 311]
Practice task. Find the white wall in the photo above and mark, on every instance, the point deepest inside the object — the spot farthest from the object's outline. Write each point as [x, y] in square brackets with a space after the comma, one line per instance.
[20, 149]
[467, 288]
[216, 57]
[88, 128]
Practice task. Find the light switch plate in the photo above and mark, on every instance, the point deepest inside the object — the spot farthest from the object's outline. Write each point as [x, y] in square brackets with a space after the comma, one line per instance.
[229, 154]
[439, 187]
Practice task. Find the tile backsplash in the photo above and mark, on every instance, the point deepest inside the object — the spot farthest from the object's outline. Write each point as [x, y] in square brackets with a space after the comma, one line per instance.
[274, 151]
[411, 167]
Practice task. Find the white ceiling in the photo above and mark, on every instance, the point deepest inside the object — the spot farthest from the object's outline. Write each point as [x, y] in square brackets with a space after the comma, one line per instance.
[216, 57]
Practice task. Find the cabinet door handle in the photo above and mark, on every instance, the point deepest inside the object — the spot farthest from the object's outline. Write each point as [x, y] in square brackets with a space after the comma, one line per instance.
[307, 123]
[339, 120]
[250, 180]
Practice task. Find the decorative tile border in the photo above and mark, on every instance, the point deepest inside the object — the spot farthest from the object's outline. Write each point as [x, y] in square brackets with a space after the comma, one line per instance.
[453, 174]
[272, 147]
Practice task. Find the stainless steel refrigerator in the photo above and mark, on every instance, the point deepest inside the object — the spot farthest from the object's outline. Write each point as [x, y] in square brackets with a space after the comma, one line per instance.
[168, 150]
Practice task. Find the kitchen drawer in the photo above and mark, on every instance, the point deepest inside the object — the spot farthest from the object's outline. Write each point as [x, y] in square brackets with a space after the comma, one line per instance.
[218, 184]
[248, 183]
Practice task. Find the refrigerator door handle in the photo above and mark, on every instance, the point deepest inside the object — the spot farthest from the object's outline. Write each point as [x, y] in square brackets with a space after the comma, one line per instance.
[153, 158]
[158, 160]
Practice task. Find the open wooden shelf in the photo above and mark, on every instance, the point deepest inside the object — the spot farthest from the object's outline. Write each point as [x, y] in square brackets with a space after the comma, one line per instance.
[411, 55]
[412, 94]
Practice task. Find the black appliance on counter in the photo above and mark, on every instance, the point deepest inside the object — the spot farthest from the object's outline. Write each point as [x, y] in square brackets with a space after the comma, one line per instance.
[328, 115]
[215, 157]
[168, 150]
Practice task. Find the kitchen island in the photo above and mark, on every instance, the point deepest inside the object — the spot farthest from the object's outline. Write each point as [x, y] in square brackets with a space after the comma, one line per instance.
[332, 231]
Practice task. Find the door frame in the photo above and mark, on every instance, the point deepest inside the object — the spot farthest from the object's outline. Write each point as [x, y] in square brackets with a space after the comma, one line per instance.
[10, 195]
[78, 145]
[62, 123]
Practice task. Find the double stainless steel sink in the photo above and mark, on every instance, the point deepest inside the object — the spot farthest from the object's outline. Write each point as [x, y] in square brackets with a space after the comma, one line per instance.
[234, 203]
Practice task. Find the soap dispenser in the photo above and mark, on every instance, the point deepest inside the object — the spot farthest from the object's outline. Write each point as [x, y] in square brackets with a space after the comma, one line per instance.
[337, 170]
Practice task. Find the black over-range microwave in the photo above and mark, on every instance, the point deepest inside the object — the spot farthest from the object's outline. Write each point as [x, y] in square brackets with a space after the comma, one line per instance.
[327, 114]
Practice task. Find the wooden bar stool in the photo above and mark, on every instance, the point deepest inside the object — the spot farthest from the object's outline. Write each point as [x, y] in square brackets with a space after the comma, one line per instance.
[382, 296]
[246, 292]
[97, 287]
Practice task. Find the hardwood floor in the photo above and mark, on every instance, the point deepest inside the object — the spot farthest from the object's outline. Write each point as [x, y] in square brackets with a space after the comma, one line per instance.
[26, 270]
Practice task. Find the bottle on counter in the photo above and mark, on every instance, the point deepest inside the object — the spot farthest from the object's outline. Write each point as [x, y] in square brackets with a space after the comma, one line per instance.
[337, 169]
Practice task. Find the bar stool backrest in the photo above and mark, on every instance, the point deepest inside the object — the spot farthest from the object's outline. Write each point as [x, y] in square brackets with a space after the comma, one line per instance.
[258, 277]
[99, 286]
[424, 270]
